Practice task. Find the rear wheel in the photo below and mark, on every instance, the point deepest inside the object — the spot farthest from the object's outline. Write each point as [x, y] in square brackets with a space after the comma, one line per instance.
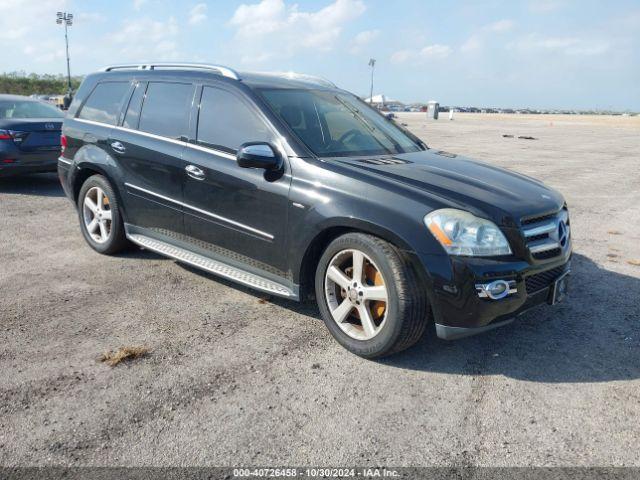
[369, 296]
[100, 219]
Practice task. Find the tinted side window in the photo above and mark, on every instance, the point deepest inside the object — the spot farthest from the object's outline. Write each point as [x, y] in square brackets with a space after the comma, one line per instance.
[226, 122]
[165, 110]
[104, 102]
[133, 111]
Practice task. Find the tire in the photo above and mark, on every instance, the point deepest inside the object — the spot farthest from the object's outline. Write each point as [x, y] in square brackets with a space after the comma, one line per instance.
[398, 323]
[115, 240]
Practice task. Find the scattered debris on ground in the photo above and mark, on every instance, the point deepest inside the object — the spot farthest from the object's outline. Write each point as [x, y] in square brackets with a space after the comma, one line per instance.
[507, 136]
[527, 137]
[113, 358]
[614, 232]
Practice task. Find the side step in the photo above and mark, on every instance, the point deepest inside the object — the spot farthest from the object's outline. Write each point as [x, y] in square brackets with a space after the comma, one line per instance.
[212, 266]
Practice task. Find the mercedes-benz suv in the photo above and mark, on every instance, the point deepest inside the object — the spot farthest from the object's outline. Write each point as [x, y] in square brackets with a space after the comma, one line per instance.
[292, 186]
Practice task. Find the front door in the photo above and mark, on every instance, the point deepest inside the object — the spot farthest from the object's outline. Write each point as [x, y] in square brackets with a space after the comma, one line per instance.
[236, 213]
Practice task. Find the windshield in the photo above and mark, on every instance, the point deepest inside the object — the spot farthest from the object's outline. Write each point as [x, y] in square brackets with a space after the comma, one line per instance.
[336, 124]
[27, 109]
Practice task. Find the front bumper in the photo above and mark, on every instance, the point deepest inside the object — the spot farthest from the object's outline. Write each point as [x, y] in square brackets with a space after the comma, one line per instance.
[459, 311]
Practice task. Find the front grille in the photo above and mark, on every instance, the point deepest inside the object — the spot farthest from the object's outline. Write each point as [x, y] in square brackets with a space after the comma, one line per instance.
[538, 219]
[539, 281]
[546, 235]
[547, 254]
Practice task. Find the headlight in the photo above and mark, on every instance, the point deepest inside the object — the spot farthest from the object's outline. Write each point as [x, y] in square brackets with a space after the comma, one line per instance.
[461, 233]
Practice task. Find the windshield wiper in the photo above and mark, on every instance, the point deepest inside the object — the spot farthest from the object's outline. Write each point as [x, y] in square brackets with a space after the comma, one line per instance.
[356, 113]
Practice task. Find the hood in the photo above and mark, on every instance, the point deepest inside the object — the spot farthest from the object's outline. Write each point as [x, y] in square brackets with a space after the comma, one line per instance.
[458, 182]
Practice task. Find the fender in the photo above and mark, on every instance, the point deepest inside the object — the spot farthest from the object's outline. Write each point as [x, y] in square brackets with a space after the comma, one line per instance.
[91, 158]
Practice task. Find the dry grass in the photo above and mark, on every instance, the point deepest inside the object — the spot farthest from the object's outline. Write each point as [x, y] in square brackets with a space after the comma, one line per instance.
[122, 354]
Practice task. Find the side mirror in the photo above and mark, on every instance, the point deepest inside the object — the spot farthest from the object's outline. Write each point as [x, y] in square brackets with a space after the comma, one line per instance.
[258, 155]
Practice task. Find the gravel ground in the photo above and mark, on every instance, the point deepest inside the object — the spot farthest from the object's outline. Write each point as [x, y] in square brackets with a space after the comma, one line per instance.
[234, 380]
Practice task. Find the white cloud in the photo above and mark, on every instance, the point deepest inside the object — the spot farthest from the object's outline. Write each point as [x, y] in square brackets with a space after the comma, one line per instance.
[477, 40]
[473, 44]
[545, 6]
[561, 45]
[500, 26]
[138, 4]
[401, 56]
[14, 12]
[427, 53]
[32, 33]
[144, 38]
[84, 18]
[198, 14]
[363, 39]
[272, 28]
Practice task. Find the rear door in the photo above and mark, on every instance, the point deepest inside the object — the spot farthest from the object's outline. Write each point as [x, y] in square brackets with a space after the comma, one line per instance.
[240, 213]
[149, 145]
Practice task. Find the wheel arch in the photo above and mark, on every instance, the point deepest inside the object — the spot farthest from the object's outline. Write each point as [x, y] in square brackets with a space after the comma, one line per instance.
[319, 242]
[86, 171]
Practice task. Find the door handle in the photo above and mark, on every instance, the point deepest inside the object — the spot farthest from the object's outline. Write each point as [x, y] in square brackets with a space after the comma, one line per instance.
[118, 147]
[194, 172]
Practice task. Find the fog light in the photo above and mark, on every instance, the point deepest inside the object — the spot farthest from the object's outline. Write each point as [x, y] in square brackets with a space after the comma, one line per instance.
[497, 289]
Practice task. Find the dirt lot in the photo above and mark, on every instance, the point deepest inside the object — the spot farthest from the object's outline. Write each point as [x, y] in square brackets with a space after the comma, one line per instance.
[233, 380]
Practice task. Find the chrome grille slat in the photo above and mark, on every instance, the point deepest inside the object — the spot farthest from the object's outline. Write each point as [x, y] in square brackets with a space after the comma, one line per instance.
[543, 246]
[543, 236]
[539, 230]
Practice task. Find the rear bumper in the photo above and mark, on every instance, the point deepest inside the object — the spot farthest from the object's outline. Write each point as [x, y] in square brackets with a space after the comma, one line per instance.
[64, 171]
[17, 163]
[458, 309]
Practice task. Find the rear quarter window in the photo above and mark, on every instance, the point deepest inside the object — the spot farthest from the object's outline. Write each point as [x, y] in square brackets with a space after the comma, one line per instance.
[104, 102]
[166, 108]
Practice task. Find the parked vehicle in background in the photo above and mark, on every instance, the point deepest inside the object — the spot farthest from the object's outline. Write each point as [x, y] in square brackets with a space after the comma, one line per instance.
[29, 135]
[294, 187]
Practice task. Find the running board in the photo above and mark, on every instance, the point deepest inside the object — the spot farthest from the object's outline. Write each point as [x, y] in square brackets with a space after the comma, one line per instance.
[212, 266]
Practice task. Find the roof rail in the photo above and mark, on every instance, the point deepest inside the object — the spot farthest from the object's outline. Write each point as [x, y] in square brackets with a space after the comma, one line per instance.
[222, 70]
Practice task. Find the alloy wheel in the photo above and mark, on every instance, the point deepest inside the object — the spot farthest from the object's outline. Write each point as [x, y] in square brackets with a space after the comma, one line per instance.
[96, 211]
[356, 294]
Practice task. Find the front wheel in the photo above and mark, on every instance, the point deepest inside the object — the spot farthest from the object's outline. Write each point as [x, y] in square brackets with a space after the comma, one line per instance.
[369, 296]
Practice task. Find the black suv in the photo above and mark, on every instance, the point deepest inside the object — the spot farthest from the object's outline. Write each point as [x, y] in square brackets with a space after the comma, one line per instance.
[292, 186]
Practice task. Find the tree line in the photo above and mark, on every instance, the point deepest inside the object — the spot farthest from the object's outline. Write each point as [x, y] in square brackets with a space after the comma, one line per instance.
[21, 83]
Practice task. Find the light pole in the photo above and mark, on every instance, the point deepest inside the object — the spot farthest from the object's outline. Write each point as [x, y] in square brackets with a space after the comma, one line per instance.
[66, 19]
[372, 64]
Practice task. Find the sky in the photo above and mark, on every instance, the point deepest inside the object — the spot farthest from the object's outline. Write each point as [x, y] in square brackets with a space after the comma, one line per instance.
[575, 54]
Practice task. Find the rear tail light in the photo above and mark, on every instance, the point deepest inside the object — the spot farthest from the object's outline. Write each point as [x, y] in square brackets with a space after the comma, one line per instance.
[63, 143]
[14, 135]
[8, 160]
